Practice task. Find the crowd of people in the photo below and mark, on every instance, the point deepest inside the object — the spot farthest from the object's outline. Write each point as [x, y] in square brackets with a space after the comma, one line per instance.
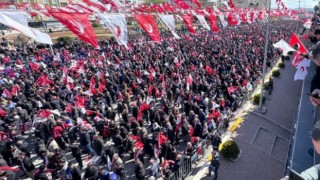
[111, 105]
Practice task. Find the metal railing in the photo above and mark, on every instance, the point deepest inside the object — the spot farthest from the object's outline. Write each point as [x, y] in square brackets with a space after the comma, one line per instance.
[189, 162]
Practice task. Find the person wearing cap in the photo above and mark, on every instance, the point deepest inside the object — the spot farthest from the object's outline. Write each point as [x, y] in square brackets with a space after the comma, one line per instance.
[57, 134]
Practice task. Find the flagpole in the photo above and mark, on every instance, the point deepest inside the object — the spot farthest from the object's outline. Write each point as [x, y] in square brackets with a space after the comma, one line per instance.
[263, 109]
[45, 30]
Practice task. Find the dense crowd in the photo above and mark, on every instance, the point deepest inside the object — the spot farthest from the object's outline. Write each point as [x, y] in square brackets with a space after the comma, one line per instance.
[115, 104]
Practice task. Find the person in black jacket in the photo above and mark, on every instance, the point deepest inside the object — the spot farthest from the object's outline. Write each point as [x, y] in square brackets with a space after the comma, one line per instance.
[109, 150]
[214, 164]
[197, 128]
[85, 140]
[98, 145]
[42, 174]
[42, 131]
[91, 172]
[118, 141]
[76, 152]
[26, 164]
[135, 111]
[216, 141]
[76, 173]
[139, 170]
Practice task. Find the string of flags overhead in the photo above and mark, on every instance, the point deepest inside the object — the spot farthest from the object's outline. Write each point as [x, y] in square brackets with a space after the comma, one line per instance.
[113, 14]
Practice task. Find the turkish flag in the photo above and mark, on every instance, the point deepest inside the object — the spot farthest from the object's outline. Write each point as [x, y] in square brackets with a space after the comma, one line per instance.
[44, 113]
[213, 22]
[296, 41]
[68, 108]
[209, 10]
[161, 139]
[102, 86]
[83, 7]
[243, 17]
[232, 89]
[89, 112]
[148, 24]
[6, 93]
[138, 145]
[232, 19]
[252, 16]
[97, 4]
[79, 24]
[43, 80]
[167, 7]
[260, 15]
[135, 138]
[34, 66]
[15, 89]
[143, 107]
[182, 4]
[33, 13]
[114, 3]
[92, 85]
[231, 3]
[80, 101]
[197, 3]
[9, 168]
[209, 70]
[297, 59]
[188, 19]
[301, 72]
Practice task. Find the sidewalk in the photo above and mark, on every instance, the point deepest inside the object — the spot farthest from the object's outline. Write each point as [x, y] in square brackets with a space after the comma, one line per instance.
[263, 139]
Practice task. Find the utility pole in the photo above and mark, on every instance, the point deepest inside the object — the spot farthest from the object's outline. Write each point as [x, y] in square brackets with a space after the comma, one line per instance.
[261, 108]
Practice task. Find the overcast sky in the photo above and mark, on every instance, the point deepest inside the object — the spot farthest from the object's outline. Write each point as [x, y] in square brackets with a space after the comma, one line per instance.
[291, 4]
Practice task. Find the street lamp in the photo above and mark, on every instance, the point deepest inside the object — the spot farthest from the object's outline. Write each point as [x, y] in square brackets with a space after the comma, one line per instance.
[260, 108]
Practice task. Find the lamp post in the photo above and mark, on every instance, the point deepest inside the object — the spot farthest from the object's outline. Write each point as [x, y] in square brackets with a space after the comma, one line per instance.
[260, 108]
[45, 30]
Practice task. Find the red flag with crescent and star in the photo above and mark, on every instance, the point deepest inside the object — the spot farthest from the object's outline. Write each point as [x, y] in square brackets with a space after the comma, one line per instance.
[79, 24]
[148, 24]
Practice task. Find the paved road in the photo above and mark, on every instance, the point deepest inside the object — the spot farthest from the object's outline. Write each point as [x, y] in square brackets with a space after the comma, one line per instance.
[264, 139]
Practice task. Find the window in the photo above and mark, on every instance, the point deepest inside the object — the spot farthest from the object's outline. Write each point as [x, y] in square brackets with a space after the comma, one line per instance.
[54, 1]
[26, 1]
[45, 1]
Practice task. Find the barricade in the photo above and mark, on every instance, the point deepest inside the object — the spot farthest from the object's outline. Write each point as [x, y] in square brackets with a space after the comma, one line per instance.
[189, 162]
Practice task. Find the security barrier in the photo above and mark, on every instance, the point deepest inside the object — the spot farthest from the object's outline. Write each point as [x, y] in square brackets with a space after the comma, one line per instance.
[189, 162]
